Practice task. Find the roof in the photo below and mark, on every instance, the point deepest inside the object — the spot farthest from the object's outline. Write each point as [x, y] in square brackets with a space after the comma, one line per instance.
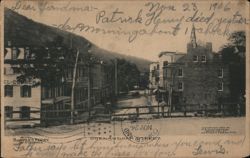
[167, 52]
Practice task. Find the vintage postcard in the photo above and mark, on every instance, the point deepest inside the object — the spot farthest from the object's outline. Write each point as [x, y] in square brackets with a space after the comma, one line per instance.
[124, 78]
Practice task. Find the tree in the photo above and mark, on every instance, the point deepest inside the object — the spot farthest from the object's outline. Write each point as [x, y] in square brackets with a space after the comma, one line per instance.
[49, 64]
[238, 38]
[144, 80]
[233, 54]
[128, 75]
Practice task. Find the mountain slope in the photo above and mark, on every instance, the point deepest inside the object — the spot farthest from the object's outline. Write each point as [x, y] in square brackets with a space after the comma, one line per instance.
[23, 31]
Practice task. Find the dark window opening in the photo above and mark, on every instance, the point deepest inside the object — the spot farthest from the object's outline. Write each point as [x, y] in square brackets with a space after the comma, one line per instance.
[8, 91]
[180, 72]
[25, 112]
[203, 58]
[220, 86]
[8, 111]
[165, 63]
[180, 86]
[25, 91]
[195, 58]
[220, 73]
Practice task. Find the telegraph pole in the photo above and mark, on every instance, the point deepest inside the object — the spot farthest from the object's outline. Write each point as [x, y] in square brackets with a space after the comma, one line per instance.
[73, 90]
[116, 77]
[89, 91]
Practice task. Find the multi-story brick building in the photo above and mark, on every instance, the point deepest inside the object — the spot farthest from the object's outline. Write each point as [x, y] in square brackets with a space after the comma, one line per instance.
[196, 78]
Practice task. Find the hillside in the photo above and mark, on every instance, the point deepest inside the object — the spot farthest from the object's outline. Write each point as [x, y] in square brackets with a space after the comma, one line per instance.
[23, 31]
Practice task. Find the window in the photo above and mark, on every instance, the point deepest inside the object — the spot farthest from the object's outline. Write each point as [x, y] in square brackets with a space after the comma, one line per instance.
[158, 66]
[27, 53]
[8, 91]
[25, 112]
[8, 111]
[203, 58]
[180, 86]
[153, 73]
[14, 53]
[220, 86]
[165, 63]
[9, 43]
[195, 58]
[220, 73]
[180, 72]
[25, 91]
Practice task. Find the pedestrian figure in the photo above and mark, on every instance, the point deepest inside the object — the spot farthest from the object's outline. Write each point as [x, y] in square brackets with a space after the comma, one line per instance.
[184, 106]
[162, 105]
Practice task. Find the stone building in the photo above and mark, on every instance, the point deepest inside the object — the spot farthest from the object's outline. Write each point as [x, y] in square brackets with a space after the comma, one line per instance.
[198, 78]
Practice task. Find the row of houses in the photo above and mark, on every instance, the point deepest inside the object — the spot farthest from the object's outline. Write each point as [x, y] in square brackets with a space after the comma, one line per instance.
[195, 78]
[91, 85]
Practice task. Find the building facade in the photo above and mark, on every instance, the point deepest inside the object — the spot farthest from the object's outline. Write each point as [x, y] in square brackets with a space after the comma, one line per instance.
[153, 75]
[18, 96]
[92, 82]
[166, 58]
[196, 79]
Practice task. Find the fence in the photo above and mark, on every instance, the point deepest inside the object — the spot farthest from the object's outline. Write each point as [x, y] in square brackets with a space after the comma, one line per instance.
[63, 116]
[197, 110]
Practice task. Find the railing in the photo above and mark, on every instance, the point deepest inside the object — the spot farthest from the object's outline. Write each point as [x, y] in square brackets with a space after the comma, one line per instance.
[62, 116]
[164, 111]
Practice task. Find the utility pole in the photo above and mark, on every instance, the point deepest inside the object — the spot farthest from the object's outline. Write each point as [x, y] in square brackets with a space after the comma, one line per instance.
[89, 91]
[116, 78]
[73, 89]
[171, 90]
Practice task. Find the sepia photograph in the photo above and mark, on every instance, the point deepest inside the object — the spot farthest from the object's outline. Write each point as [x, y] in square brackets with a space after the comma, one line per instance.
[122, 78]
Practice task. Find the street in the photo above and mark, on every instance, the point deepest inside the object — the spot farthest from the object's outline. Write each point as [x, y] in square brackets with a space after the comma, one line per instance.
[134, 101]
[166, 126]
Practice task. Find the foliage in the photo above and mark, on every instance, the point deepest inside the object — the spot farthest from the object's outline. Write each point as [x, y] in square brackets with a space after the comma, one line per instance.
[238, 38]
[233, 54]
[128, 75]
[50, 64]
[144, 80]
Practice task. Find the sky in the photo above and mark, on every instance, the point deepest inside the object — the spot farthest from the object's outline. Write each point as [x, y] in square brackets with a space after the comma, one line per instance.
[147, 45]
